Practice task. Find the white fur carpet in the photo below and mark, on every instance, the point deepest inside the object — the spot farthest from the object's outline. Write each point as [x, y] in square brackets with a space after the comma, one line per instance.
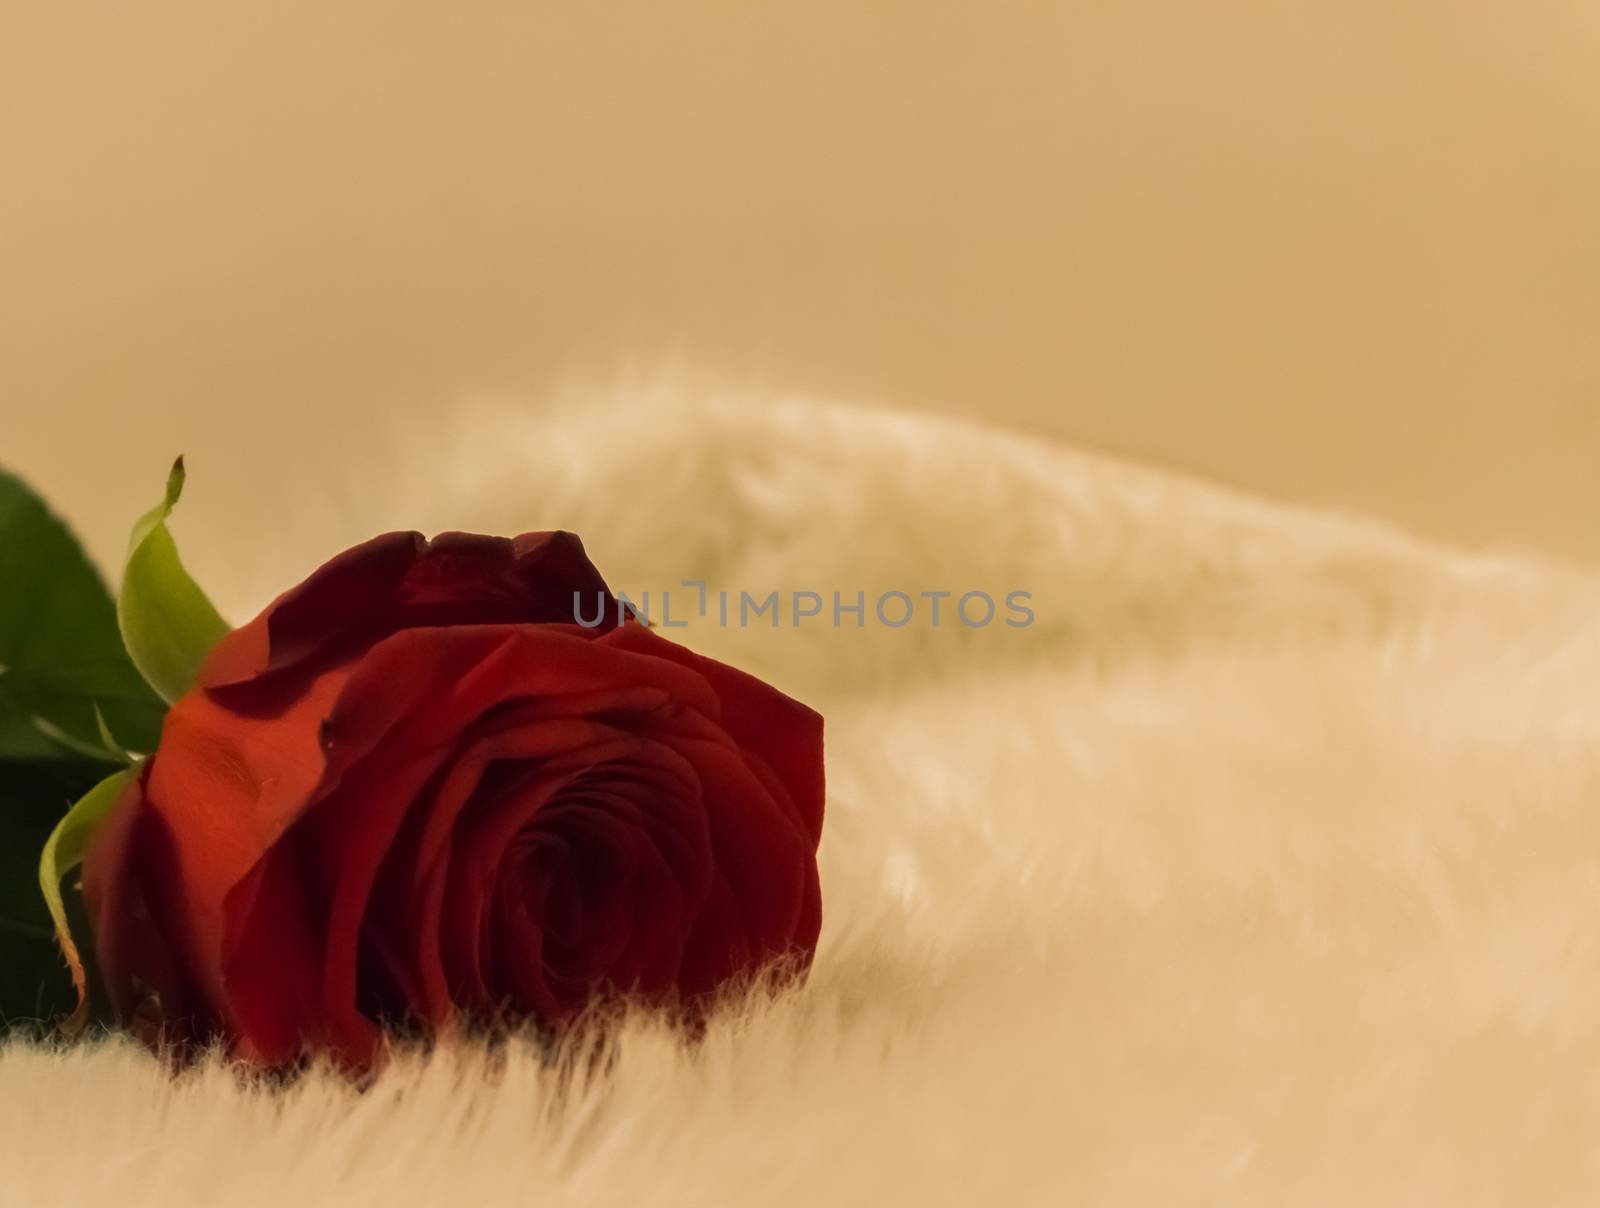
[1264, 868]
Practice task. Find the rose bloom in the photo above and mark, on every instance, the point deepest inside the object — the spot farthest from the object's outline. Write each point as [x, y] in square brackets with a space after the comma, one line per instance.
[413, 790]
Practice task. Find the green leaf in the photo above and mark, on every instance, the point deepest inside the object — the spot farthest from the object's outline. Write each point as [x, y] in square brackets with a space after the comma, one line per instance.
[168, 624]
[61, 654]
[63, 852]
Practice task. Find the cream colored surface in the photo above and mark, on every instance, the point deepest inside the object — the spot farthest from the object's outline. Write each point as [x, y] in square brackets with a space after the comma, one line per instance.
[1259, 871]
[1344, 252]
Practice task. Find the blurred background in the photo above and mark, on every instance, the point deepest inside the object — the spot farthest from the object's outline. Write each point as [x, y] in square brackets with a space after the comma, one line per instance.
[1344, 252]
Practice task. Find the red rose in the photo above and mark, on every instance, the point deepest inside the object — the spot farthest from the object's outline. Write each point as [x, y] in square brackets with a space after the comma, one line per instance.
[413, 788]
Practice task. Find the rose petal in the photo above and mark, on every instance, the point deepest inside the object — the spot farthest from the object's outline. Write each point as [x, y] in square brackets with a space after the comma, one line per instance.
[138, 951]
[225, 788]
[479, 971]
[758, 848]
[588, 915]
[718, 943]
[779, 730]
[400, 581]
[273, 969]
[411, 885]
[514, 950]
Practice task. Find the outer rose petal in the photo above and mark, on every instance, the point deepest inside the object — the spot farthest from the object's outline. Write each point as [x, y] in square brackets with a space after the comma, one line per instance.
[134, 939]
[273, 963]
[402, 581]
[222, 789]
[766, 860]
[782, 732]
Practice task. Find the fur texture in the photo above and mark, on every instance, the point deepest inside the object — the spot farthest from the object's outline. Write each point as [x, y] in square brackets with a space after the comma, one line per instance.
[1263, 868]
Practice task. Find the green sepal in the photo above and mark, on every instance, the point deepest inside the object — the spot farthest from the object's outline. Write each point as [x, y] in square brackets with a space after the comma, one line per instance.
[63, 852]
[167, 623]
[104, 751]
[109, 741]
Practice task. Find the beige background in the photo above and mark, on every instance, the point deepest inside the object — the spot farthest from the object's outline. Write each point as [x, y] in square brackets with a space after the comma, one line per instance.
[1342, 251]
